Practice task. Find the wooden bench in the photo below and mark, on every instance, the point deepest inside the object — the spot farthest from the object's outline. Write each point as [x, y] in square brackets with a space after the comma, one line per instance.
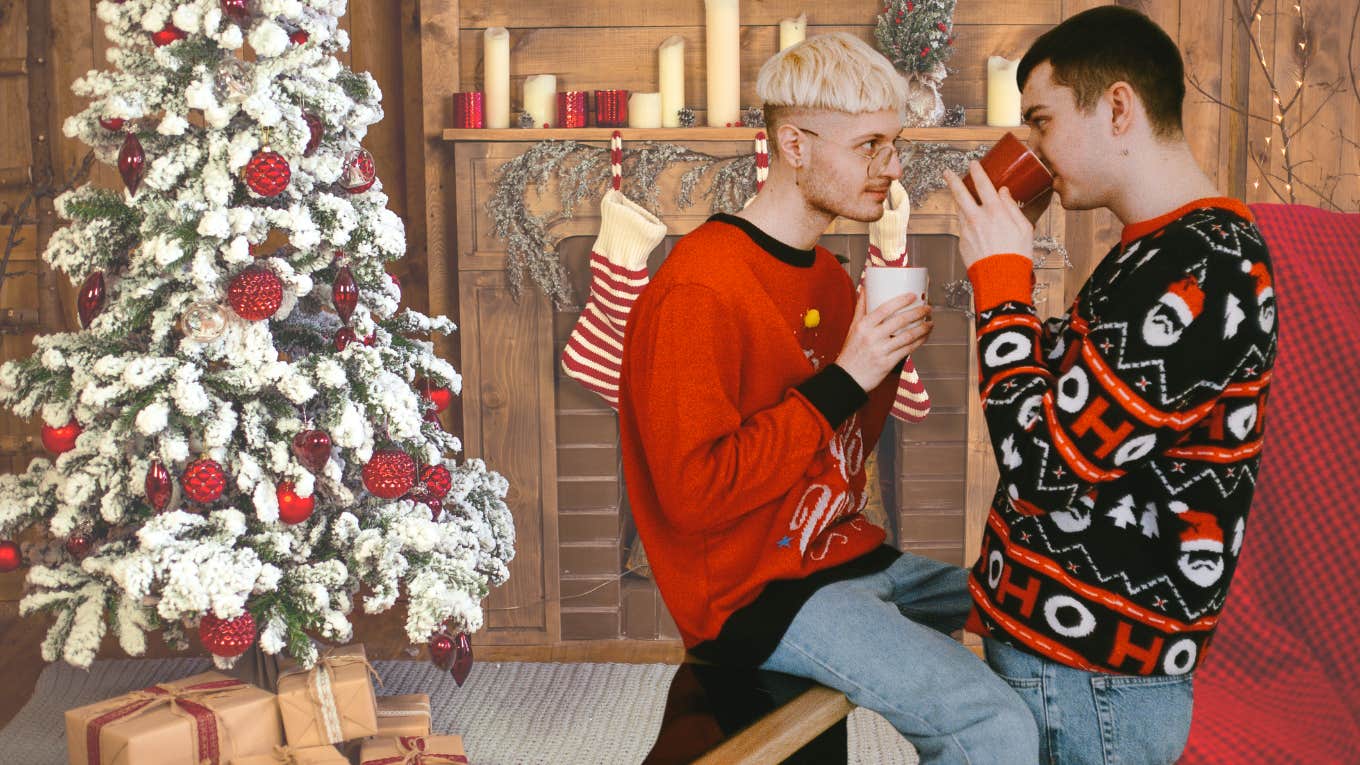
[731, 716]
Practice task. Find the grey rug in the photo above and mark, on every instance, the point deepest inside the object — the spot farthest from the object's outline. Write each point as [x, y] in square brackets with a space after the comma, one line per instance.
[508, 714]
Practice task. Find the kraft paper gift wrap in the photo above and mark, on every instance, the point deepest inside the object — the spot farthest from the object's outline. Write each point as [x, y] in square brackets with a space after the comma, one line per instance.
[289, 755]
[407, 715]
[413, 750]
[330, 703]
[205, 718]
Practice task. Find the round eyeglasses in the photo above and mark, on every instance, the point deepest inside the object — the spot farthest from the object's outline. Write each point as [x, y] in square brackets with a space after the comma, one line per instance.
[879, 158]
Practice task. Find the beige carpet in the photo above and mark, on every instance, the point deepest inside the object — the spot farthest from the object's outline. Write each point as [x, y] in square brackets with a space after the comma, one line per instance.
[508, 713]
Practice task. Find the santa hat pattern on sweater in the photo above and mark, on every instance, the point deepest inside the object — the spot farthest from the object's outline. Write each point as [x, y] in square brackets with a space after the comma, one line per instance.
[1264, 287]
[1201, 533]
[1185, 298]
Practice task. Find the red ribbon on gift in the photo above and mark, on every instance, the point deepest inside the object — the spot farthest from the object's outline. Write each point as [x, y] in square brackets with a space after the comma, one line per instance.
[412, 752]
[186, 699]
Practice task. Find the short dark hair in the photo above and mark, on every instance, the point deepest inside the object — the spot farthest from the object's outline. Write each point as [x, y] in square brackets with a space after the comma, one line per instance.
[1099, 47]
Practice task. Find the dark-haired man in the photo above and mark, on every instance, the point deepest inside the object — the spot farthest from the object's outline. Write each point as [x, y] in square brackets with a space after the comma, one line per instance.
[1128, 432]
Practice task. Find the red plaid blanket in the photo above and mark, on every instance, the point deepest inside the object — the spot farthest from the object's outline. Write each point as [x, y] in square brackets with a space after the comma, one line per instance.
[1281, 683]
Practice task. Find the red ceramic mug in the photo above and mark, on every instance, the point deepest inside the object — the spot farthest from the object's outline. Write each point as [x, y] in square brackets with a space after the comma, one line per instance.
[1010, 163]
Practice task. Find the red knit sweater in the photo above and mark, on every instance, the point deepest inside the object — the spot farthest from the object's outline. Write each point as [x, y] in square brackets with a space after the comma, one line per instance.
[735, 478]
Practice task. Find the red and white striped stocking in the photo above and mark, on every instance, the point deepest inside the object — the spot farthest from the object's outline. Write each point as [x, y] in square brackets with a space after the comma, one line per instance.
[888, 247]
[618, 272]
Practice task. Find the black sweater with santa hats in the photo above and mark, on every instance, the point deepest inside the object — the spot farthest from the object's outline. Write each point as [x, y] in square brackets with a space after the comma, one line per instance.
[1128, 435]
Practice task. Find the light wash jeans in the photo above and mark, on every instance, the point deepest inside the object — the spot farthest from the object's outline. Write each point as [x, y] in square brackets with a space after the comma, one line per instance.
[883, 640]
[1098, 718]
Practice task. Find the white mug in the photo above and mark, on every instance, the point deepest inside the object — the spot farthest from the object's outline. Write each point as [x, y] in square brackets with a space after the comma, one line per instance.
[883, 283]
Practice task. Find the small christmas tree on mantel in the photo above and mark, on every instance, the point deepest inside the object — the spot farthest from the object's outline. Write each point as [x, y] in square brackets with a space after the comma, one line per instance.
[244, 433]
[918, 37]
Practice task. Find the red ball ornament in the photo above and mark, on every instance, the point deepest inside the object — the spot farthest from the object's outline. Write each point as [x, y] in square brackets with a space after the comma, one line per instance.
[292, 508]
[298, 37]
[159, 487]
[312, 448]
[345, 293]
[236, 10]
[389, 474]
[316, 129]
[11, 558]
[267, 173]
[255, 293]
[203, 480]
[371, 340]
[60, 440]
[360, 171]
[111, 124]
[227, 637]
[441, 649]
[79, 544]
[90, 299]
[344, 337]
[441, 397]
[168, 34]
[437, 481]
[462, 658]
[131, 162]
[436, 508]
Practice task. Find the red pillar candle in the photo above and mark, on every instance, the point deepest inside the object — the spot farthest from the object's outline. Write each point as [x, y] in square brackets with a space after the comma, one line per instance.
[571, 108]
[611, 108]
[468, 111]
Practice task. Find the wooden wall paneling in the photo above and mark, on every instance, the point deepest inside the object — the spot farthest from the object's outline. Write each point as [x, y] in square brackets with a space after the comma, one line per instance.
[479, 14]
[625, 57]
[509, 422]
[1327, 164]
[18, 437]
[15, 150]
[1203, 31]
[434, 24]
[1263, 155]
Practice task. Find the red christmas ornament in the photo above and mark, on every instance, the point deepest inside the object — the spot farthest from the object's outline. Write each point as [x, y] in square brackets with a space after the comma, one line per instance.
[237, 10]
[440, 396]
[90, 299]
[79, 544]
[292, 508]
[298, 37]
[170, 33]
[158, 486]
[441, 649]
[60, 440]
[131, 162]
[11, 558]
[462, 658]
[312, 448]
[371, 340]
[395, 281]
[433, 416]
[317, 129]
[436, 508]
[360, 172]
[343, 338]
[437, 480]
[111, 123]
[227, 637]
[389, 474]
[267, 173]
[255, 293]
[203, 480]
[345, 293]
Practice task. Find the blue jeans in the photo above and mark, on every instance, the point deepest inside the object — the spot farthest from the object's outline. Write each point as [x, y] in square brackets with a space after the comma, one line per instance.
[884, 641]
[1098, 718]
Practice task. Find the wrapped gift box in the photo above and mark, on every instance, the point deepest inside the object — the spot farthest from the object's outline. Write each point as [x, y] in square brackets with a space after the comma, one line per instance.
[403, 750]
[404, 715]
[330, 703]
[290, 755]
[207, 717]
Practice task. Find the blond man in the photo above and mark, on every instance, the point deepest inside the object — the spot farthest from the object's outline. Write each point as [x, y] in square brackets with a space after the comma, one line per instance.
[754, 384]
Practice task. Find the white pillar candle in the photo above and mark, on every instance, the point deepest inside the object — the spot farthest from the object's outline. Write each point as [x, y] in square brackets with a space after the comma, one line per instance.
[792, 31]
[540, 99]
[496, 76]
[644, 110]
[1003, 95]
[671, 62]
[723, 52]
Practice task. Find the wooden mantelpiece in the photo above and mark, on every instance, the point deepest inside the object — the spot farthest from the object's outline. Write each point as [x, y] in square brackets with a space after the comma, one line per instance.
[558, 444]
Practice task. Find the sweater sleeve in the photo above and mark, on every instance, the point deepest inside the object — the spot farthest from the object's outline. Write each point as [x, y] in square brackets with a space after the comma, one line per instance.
[682, 376]
[1108, 392]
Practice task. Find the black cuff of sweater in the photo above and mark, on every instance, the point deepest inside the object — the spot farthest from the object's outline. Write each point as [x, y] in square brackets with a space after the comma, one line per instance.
[835, 394]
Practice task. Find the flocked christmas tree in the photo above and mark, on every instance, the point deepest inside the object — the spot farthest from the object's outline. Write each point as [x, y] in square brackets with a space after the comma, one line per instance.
[244, 434]
[918, 37]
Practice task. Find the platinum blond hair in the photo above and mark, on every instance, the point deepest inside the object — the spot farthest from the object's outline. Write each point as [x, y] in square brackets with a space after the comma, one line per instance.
[836, 72]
